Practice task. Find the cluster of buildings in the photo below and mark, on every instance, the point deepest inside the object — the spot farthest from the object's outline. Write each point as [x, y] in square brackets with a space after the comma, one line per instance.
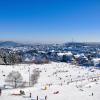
[83, 54]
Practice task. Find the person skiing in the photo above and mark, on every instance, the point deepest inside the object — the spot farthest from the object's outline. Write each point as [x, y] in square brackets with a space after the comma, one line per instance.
[45, 97]
[92, 94]
[22, 92]
[0, 91]
[30, 95]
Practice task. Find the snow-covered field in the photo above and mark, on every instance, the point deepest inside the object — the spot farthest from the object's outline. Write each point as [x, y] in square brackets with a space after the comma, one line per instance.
[62, 82]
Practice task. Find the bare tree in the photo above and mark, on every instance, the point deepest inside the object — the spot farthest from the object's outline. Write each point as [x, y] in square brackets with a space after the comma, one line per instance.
[35, 76]
[14, 78]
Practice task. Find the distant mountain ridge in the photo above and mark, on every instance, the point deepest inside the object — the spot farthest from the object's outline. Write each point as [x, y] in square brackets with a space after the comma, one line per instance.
[10, 43]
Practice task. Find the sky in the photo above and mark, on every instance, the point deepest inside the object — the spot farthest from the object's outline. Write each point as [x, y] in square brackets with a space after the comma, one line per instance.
[52, 21]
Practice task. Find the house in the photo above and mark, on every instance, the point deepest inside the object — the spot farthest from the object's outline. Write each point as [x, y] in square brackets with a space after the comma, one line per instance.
[65, 56]
[96, 62]
[82, 60]
[28, 58]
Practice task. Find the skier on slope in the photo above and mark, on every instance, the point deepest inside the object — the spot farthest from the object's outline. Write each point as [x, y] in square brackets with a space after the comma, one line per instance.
[92, 94]
[0, 91]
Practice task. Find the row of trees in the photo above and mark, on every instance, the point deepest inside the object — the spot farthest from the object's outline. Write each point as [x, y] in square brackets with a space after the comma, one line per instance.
[15, 79]
[10, 58]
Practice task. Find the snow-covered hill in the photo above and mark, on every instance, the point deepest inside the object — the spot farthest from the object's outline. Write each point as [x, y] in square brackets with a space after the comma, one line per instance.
[60, 81]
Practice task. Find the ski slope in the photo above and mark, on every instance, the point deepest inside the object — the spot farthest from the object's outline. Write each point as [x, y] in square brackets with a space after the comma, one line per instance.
[60, 81]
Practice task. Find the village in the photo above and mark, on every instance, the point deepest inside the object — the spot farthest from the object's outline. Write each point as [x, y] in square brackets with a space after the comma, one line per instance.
[83, 54]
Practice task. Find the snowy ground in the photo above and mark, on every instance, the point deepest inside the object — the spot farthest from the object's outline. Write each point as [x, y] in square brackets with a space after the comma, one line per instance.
[70, 81]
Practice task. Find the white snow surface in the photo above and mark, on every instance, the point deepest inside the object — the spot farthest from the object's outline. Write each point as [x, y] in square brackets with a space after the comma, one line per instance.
[71, 81]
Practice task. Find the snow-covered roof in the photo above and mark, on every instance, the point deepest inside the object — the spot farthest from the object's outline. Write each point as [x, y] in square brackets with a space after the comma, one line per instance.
[77, 56]
[27, 59]
[66, 53]
[80, 55]
[96, 60]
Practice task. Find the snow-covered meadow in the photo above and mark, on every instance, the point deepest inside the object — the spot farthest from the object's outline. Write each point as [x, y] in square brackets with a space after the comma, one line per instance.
[59, 81]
